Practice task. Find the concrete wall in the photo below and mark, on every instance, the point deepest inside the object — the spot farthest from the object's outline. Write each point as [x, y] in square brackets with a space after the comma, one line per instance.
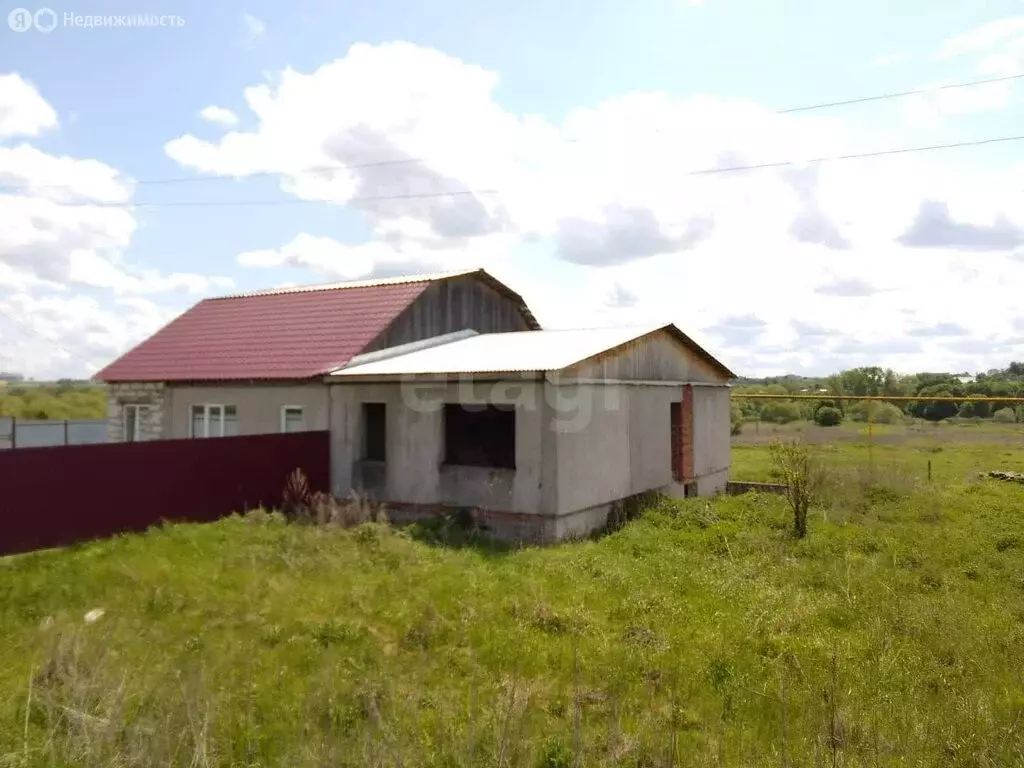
[711, 440]
[413, 472]
[625, 449]
[258, 405]
[580, 450]
[655, 357]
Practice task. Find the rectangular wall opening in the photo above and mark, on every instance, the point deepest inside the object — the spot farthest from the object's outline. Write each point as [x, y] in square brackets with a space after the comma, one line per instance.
[480, 435]
[374, 441]
[676, 449]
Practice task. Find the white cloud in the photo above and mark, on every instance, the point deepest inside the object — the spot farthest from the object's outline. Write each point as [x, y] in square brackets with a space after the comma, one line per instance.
[599, 218]
[890, 59]
[928, 110]
[334, 260]
[23, 112]
[62, 231]
[254, 28]
[219, 115]
[30, 171]
[982, 38]
[50, 337]
[994, 49]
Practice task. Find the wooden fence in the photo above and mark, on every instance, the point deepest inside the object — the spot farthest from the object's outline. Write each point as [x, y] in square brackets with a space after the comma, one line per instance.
[60, 495]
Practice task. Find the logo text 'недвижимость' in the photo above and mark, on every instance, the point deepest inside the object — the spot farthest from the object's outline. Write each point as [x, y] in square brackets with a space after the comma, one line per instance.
[46, 20]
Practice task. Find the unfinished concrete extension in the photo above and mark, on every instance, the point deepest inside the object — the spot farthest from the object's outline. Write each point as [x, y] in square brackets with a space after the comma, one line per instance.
[578, 444]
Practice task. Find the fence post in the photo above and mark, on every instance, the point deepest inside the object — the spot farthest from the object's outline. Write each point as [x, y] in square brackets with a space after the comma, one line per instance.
[929, 470]
[14, 432]
[65, 431]
[871, 453]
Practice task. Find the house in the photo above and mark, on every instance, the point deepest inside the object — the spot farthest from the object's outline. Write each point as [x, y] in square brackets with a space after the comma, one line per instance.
[441, 392]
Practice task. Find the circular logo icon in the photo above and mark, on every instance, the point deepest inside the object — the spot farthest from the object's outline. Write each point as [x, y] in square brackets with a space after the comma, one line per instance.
[45, 19]
[20, 19]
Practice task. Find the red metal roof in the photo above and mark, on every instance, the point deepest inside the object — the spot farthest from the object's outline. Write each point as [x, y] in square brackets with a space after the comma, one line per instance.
[294, 334]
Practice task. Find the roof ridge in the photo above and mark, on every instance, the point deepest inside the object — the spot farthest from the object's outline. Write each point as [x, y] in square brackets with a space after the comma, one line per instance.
[425, 277]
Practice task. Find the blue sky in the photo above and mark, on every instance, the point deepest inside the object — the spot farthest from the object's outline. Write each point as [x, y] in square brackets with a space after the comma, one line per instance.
[564, 73]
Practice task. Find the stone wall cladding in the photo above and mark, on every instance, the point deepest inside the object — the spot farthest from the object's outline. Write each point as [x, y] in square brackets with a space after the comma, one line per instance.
[151, 394]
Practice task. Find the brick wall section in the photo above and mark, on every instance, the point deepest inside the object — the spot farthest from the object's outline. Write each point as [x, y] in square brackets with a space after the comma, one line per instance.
[151, 394]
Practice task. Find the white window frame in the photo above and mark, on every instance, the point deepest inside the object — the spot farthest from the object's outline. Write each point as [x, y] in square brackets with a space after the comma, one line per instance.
[207, 407]
[284, 416]
[139, 409]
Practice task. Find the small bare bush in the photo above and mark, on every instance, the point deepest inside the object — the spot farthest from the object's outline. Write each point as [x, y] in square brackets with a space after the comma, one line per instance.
[345, 513]
[302, 505]
[296, 498]
[803, 475]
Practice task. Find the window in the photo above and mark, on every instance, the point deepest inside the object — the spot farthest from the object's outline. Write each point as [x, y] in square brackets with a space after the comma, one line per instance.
[480, 436]
[375, 422]
[292, 419]
[213, 421]
[131, 426]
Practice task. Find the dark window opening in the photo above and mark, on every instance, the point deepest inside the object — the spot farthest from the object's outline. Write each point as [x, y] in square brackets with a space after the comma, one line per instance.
[374, 432]
[480, 436]
[676, 420]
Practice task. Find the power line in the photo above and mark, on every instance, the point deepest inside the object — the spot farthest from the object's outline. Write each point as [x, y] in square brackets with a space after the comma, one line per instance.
[899, 94]
[256, 174]
[279, 201]
[414, 160]
[33, 335]
[425, 195]
[857, 155]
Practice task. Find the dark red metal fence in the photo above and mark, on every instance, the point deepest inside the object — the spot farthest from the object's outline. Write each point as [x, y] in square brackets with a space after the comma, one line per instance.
[56, 496]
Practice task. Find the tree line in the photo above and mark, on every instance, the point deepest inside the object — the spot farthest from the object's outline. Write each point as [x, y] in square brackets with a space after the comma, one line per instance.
[61, 400]
[834, 405]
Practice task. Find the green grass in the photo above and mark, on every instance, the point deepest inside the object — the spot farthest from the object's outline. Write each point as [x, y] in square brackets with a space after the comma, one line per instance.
[957, 452]
[701, 634]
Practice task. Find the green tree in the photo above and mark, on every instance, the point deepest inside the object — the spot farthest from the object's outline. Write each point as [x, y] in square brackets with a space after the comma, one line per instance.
[780, 412]
[828, 416]
[879, 412]
[735, 418]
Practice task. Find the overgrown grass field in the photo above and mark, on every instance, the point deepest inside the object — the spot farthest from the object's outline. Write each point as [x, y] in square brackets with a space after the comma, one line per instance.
[701, 634]
[956, 450]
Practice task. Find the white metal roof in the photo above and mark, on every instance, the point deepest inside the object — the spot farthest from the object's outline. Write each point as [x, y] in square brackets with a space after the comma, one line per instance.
[501, 352]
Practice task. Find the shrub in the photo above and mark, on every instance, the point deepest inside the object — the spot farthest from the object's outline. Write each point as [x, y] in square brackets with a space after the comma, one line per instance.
[880, 413]
[735, 419]
[803, 476]
[780, 412]
[1005, 416]
[827, 416]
